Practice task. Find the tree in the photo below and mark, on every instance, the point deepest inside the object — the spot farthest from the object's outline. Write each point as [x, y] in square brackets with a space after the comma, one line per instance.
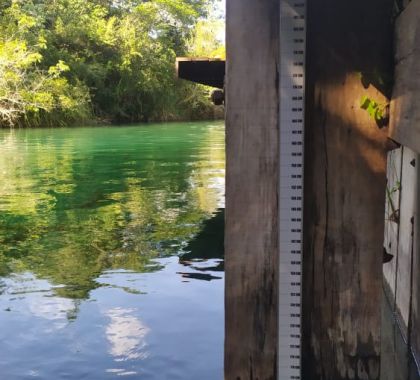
[66, 62]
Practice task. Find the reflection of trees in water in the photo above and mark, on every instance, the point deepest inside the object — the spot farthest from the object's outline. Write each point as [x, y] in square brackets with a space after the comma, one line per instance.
[73, 204]
[43, 301]
[207, 244]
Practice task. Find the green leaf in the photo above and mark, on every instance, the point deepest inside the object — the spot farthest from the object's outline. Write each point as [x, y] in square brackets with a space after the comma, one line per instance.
[365, 102]
[378, 114]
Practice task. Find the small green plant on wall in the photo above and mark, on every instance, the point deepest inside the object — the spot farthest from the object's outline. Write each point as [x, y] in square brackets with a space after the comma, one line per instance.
[377, 111]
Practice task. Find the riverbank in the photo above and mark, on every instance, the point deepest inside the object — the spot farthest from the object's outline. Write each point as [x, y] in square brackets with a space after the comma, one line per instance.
[64, 63]
[216, 115]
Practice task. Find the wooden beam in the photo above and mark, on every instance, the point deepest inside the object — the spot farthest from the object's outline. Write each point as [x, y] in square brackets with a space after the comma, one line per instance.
[349, 45]
[251, 256]
[415, 315]
[210, 72]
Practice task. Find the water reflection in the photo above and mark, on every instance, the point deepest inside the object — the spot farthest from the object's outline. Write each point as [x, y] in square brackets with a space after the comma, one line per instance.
[205, 251]
[38, 299]
[126, 335]
[208, 242]
[74, 203]
[109, 238]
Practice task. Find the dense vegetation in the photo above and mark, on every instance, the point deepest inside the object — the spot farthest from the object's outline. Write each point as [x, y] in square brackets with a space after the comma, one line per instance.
[76, 61]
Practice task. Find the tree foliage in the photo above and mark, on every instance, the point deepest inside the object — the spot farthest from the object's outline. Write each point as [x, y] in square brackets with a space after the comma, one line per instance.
[70, 61]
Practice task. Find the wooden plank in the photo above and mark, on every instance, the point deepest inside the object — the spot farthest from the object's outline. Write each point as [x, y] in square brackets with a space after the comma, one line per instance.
[392, 207]
[252, 190]
[414, 324]
[401, 339]
[405, 104]
[210, 72]
[405, 243]
[344, 189]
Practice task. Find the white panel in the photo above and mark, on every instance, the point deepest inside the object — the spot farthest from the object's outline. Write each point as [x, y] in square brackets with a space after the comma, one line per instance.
[405, 241]
[392, 207]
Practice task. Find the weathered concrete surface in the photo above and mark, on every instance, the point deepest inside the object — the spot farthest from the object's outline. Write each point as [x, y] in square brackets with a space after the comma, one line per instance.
[344, 189]
[405, 104]
[251, 255]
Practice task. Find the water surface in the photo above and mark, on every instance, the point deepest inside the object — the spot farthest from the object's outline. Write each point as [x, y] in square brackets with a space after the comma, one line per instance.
[111, 252]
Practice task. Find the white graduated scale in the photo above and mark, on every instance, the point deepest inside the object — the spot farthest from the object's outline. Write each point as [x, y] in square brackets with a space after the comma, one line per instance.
[292, 128]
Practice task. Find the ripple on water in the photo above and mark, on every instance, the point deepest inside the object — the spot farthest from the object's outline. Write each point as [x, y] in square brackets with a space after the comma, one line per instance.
[111, 252]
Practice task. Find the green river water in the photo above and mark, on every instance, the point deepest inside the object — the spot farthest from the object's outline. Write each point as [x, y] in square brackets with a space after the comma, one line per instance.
[111, 252]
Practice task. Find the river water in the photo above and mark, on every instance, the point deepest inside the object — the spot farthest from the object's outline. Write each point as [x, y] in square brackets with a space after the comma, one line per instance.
[111, 252]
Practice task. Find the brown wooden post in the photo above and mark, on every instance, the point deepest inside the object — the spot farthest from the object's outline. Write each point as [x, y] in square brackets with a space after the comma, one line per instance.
[251, 250]
[349, 55]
